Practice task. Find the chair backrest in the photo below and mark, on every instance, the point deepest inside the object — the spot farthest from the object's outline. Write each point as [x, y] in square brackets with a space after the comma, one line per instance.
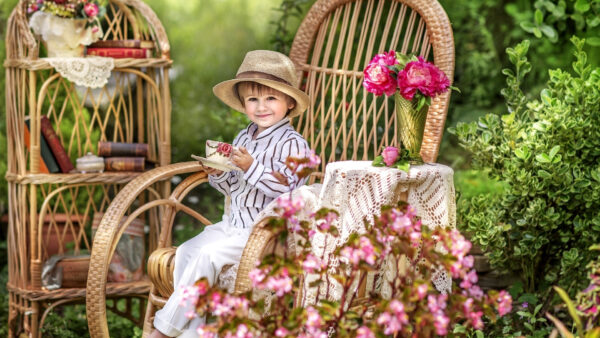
[333, 45]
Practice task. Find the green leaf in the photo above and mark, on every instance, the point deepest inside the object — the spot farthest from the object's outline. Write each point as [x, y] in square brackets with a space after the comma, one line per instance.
[571, 307]
[582, 6]
[544, 174]
[528, 27]
[593, 41]
[549, 32]
[479, 334]
[403, 165]
[537, 32]
[543, 158]
[522, 153]
[554, 150]
[539, 17]
[378, 161]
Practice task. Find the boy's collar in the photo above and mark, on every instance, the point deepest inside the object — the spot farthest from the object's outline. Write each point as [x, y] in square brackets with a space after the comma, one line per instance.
[266, 132]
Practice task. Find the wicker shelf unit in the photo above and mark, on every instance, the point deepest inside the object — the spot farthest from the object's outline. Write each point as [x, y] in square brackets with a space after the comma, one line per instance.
[134, 107]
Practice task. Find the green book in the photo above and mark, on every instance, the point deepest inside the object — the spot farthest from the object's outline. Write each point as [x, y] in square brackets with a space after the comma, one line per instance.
[46, 152]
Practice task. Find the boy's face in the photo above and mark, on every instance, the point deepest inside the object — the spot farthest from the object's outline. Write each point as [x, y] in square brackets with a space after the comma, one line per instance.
[265, 107]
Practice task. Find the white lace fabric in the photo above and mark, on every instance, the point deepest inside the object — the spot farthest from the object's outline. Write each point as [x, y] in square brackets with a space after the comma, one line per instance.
[91, 71]
[357, 190]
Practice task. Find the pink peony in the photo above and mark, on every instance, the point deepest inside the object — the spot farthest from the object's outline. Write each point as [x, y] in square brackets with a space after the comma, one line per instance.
[91, 9]
[390, 155]
[378, 77]
[422, 76]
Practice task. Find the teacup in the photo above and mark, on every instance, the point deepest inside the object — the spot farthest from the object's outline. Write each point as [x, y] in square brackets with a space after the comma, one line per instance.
[219, 152]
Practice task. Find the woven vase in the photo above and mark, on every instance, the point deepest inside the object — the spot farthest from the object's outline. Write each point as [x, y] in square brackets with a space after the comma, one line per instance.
[411, 124]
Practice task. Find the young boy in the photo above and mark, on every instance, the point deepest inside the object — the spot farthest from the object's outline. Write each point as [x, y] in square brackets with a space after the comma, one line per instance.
[264, 89]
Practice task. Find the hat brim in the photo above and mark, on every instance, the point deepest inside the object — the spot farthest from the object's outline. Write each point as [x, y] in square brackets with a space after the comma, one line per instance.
[227, 93]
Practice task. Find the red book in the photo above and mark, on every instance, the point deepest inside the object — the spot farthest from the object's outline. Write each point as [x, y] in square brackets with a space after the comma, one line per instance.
[60, 154]
[124, 163]
[117, 53]
[108, 149]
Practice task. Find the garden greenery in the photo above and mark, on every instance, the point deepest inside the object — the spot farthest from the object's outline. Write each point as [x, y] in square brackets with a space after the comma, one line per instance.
[547, 152]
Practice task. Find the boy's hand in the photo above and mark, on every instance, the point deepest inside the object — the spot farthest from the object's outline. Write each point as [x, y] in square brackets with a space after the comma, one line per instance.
[211, 171]
[242, 158]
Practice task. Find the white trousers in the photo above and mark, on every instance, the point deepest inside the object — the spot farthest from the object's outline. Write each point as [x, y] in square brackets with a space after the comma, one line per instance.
[202, 256]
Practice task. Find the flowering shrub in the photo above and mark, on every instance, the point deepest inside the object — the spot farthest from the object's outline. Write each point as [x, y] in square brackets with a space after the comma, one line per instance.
[412, 305]
[90, 10]
[411, 76]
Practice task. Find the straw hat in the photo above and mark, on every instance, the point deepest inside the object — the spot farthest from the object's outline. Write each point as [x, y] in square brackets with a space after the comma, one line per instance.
[269, 68]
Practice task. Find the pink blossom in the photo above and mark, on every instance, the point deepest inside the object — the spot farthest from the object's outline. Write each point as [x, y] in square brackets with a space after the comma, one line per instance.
[460, 245]
[469, 279]
[390, 323]
[325, 223]
[314, 160]
[475, 291]
[281, 283]
[353, 255]
[422, 291]
[504, 303]
[367, 250]
[91, 9]
[205, 332]
[289, 205]
[242, 332]
[390, 155]
[364, 332]
[422, 76]
[475, 319]
[281, 332]
[378, 77]
[190, 314]
[312, 263]
[436, 303]
[257, 276]
[313, 320]
[441, 321]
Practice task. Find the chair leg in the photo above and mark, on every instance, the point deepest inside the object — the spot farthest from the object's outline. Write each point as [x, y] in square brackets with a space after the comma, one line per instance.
[149, 316]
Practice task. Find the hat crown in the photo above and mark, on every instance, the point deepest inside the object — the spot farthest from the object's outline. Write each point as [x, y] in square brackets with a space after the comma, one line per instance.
[270, 62]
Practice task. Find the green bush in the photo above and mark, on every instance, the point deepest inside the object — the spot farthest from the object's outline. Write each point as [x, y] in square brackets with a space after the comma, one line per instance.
[547, 152]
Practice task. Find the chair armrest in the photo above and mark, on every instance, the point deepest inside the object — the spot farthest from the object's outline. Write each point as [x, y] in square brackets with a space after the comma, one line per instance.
[261, 242]
[161, 264]
[110, 230]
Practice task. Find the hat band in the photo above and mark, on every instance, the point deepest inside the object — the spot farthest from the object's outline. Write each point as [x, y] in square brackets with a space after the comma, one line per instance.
[254, 75]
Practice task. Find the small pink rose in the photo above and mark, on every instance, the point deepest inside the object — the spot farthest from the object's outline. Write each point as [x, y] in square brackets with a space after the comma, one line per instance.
[91, 9]
[224, 149]
[390, 155]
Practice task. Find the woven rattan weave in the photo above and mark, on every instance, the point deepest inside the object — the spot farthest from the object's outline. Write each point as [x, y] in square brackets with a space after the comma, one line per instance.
[334, 43]
[136, 109]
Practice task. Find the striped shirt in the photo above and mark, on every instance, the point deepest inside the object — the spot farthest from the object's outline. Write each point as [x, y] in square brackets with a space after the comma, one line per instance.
[251, 191]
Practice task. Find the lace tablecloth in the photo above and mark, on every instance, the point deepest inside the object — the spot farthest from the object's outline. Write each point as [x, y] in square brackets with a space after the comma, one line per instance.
[357, 190]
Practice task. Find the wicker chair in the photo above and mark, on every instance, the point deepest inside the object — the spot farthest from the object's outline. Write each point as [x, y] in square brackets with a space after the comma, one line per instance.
[333, 44]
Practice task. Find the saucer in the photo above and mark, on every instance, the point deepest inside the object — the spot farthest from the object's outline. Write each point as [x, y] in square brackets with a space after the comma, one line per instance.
[216, 165]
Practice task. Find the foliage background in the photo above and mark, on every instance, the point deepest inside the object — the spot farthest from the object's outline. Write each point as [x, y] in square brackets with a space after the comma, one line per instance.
[209, 38]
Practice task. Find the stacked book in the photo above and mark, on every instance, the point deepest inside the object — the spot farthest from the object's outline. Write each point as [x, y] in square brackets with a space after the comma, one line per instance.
[124, 156]
[54, 157]
[138, 49]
